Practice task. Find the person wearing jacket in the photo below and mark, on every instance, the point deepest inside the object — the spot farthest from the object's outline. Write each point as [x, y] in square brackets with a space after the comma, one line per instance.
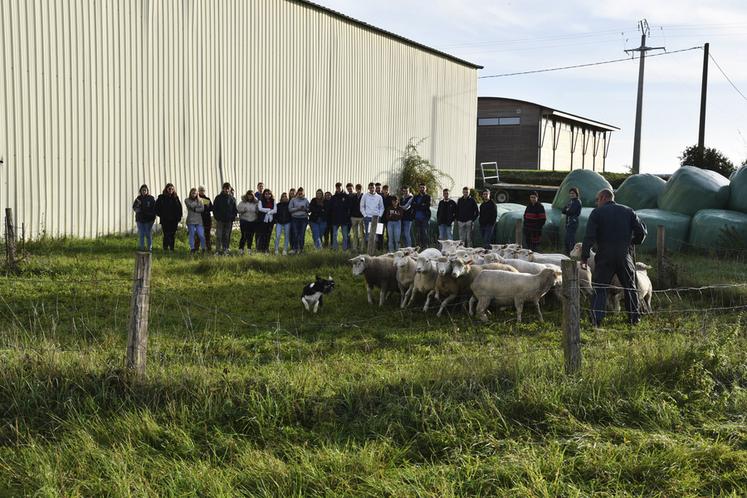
[534, 220]
[207, 217]
[339, 212]
[169, 210]
[145, 215]
[572, 211]
[467, 213]
[328, 219]
[408, 214]
[267, 208]
[248, 220]
[282, 223]
[422, 206]
[614, 229]
[488, 217]
[318, 218]
[224, 211]
[445, 216]
[371, 205]
[394, 223]
[356, 217]
[195, 208]
[386, 199]
[298, 207]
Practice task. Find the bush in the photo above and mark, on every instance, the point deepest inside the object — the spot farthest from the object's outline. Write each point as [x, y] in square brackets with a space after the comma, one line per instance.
[535, 177]
[417, 170]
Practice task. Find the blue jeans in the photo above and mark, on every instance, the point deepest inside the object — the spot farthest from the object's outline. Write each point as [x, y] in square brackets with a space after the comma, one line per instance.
[394, 228]
[444, 232]
[366, 225]
[298, 228]
[486, 232]
[570, 235]
[407, 232]
[145, 232]
[200, 231]
[345, 236]
[317, 230]
[285, 230]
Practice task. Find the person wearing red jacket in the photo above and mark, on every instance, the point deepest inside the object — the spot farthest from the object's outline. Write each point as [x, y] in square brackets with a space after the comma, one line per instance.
[534, 220]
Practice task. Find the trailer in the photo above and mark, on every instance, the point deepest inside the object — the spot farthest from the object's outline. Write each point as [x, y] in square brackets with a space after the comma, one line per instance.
[503, 192]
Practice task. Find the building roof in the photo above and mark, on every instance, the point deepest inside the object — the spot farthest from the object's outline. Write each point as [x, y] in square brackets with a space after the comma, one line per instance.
[386, 33]
[549, 111]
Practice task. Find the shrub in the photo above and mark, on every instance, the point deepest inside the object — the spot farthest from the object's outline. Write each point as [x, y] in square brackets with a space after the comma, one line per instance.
[417, 170]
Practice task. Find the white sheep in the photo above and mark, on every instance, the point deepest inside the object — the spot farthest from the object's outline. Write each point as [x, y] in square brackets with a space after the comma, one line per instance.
[378, 271]
[553, 259]
[455, 275]
[405, 265]
[508, 287]
[449, 246]
[425, 281]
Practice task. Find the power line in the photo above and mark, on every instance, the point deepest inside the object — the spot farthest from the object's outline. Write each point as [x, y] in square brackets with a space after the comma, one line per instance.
[576, 66]
[727, 78]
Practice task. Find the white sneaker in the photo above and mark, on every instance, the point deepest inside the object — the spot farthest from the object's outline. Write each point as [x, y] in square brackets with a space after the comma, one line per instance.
[285, 253]
[248, 252]
[277, 252]
[241, 252]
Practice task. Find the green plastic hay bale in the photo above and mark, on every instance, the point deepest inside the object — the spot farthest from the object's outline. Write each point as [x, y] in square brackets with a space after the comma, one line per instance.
[640, 191]
[719, 229]
[738, 190]
[676, 226]
[506, 227]
[587, 181]
[691, 189]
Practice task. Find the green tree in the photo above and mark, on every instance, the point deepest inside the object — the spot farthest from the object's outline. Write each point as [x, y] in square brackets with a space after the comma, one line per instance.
[711, 159]
[416, 170]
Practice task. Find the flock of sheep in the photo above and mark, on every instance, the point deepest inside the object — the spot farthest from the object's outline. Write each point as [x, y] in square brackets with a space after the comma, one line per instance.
[505, 274]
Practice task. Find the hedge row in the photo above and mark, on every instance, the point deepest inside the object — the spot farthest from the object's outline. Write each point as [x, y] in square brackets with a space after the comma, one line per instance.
[534, 177]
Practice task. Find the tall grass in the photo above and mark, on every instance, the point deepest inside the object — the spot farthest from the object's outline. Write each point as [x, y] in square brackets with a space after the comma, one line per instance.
[246, 393]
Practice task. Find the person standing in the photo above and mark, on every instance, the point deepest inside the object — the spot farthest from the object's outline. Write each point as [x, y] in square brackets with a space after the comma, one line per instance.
[299, 211]
[572, 211]
[328, 219]
[224, 210]
[339, 209]
[394, 223]
[445, 216]
[467, 213]
[267, 213]
[282, 223]
[534, 220]
[488, 217]
[145, 215]
[195, 208]
[356, 217]
[169, 210]
[259, 191]
[317, 218]
[614, 229]
[207, 217]
[386, 198]
[422, 206]
[371, 205]
[248, 210]
[408, 215]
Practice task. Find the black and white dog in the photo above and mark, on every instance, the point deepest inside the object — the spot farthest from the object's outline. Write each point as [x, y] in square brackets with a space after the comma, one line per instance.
[312, 294]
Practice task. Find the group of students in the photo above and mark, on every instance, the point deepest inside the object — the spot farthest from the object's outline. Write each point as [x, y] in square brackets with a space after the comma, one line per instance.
[348, 212]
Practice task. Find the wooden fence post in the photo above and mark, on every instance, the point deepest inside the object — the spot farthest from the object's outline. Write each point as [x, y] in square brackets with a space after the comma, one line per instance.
[372, 235]
[571, 317]
[518, 232]
[10, 240]
[137, 337]
[660, 255]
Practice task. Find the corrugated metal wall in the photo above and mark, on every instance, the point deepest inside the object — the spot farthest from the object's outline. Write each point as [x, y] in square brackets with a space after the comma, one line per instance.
[99, 96]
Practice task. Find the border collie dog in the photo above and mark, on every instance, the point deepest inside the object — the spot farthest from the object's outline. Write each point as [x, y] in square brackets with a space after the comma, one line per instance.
[312, 294]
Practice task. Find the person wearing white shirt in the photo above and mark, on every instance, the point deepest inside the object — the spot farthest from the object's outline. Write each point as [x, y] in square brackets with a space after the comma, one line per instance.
[371, 205]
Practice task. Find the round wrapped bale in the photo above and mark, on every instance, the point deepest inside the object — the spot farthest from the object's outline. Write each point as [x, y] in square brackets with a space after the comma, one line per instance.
[718, 229]
[588, 182]
[551, 230]
[738, 190]
[505, 228]
[676, 226]
[691, 189]
[640, 191]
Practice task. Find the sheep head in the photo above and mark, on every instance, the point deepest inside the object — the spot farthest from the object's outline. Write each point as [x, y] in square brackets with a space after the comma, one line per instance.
[460, 267]
[443, 264]
[359, 264]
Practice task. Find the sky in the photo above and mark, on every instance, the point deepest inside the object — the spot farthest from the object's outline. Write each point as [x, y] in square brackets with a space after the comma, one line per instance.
[507, 36]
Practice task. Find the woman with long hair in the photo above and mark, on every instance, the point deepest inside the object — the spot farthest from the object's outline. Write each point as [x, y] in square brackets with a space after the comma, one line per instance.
[145, 215]
[318, 217]
[266, 207]
[282, 223]
[248, 221]
[195, 208]
[169, 211]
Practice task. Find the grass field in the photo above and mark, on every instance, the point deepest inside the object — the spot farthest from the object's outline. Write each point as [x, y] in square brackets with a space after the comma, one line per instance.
[246, 394]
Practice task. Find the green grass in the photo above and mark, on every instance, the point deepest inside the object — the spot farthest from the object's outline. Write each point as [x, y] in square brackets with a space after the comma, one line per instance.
[246, 394]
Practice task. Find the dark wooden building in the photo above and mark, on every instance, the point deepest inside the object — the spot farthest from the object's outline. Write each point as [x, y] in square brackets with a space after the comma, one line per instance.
[522, 135]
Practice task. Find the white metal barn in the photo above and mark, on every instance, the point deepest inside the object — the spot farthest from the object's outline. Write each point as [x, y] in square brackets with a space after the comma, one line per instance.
[100, 96]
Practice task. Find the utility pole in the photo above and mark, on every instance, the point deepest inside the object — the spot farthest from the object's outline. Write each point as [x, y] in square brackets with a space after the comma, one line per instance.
[643, 27]
[703, 89]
